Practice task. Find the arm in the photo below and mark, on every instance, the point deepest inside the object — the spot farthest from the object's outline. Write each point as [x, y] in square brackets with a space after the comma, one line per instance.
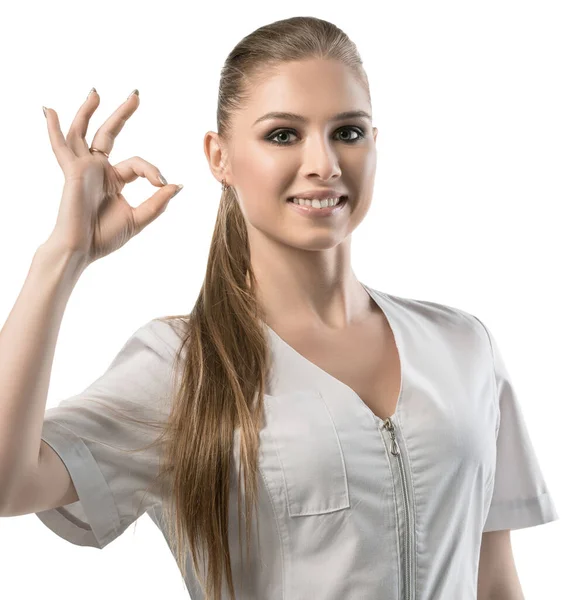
[27, 344]
[498, 578]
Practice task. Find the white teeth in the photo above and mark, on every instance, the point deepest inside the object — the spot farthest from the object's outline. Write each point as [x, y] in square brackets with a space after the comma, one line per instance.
[316, 203]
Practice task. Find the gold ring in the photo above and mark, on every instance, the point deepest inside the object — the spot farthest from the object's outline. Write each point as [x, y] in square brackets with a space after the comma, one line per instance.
[101, 152]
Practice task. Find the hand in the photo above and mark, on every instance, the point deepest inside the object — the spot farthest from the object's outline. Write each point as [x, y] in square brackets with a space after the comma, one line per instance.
[94, 218]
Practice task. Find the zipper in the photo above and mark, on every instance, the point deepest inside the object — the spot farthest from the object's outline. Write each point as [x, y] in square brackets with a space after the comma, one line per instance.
[388, 425]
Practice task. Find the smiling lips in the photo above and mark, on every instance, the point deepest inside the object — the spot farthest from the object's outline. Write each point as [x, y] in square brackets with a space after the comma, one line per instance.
[316, 202]
[314, 207]
[320, 194]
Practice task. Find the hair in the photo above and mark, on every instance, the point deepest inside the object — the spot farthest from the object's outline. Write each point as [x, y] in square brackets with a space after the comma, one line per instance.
[224, 373]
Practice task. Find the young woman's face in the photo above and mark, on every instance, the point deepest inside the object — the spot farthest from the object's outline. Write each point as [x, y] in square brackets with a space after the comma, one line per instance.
[320, 153]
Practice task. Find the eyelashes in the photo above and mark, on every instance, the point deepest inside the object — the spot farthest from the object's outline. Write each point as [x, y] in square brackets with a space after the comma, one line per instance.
[358, 130]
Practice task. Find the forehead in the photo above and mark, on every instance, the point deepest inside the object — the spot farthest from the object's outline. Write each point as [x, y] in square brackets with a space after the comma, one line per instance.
[316, 89]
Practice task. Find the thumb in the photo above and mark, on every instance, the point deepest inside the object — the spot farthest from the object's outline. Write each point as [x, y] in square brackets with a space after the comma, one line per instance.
[154, 206]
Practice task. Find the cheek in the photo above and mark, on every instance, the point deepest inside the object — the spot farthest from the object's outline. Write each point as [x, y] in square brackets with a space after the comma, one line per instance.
[369, 169]
[263, 178]
[261, 208]
[261, 165]
[257, 159]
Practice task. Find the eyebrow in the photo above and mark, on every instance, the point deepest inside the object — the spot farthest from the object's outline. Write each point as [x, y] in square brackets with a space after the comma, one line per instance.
[348, 114]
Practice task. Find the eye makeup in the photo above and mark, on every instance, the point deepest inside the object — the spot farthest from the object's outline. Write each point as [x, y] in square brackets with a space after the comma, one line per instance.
[276, 132]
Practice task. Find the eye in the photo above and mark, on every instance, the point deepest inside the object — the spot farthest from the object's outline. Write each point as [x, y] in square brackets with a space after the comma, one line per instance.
[277, 132]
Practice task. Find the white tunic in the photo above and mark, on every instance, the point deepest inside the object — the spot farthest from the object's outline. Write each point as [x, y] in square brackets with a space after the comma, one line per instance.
[350, 506]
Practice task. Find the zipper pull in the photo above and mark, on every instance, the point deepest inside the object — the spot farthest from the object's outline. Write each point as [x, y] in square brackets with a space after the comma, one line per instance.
[388, 424]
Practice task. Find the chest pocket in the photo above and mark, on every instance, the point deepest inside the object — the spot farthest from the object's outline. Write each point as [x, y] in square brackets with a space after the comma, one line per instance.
[302, 458]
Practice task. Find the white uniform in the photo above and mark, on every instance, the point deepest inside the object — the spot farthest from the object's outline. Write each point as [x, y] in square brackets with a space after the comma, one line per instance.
[350, 506]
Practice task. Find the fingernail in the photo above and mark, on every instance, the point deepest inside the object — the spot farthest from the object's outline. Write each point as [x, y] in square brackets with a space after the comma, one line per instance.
[134, 92]
[178, 190]
[162, 179]
[90, 93]
[44, 109]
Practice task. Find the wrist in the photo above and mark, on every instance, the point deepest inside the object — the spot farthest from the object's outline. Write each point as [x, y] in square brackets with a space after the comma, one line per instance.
[54, 255]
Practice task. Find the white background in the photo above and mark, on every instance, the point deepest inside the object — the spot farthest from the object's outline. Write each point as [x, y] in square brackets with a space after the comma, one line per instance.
[472, 207]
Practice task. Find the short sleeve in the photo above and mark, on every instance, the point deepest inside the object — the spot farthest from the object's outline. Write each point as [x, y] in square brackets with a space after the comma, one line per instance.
[520, 495]
[114, 487]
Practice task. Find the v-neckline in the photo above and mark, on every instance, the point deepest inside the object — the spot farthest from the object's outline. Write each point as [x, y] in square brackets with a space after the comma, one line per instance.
[394, 329]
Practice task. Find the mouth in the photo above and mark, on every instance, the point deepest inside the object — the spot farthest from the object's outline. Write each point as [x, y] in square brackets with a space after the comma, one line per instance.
[341, 200]
[319, 211]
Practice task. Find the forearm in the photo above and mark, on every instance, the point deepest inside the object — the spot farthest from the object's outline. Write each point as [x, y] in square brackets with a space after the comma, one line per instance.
[27, 344]
[511, 592]
[505, 590]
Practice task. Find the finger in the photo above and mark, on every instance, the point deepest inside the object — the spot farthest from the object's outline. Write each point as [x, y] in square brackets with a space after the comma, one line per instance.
[154, 206]
[64, 155]
[109, 130]
[130, 169]
[76, 138]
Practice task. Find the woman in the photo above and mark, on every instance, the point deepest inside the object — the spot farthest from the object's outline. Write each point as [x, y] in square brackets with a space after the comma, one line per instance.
[373, 441]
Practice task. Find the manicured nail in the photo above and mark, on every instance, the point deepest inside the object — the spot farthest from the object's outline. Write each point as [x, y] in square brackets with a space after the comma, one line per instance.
[162, 179]
[90, 93]
[178, 190]
[134, 92]
[44, 109]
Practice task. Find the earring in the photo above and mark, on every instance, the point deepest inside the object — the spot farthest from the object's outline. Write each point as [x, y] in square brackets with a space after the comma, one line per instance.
[225, 186]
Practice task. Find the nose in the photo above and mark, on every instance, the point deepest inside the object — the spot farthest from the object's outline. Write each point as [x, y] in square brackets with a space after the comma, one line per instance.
[321, 159]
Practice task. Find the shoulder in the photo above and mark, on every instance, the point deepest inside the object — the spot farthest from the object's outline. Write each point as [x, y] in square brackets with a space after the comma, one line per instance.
[443, 314]
[163, 335]
[427, 316]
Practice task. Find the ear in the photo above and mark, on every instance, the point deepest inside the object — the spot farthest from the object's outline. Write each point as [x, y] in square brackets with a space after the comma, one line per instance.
[216, 155]
[375, 134]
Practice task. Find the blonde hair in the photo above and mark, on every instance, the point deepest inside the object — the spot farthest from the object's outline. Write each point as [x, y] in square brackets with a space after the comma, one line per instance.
[223, 375]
